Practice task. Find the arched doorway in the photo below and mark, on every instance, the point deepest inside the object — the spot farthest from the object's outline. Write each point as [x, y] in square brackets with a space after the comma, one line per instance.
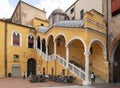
[60, 45]
[50, 45]
[116, 65]
[76, 53]
[43, 45]
[38, 42]
[31, 67]
[97, 59]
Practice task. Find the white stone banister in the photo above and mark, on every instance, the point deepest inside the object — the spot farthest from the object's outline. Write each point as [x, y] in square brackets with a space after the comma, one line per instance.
[44, 55]
[38, 50]
[74, 69]
[51, 57]
[78, 71]
[61, 60]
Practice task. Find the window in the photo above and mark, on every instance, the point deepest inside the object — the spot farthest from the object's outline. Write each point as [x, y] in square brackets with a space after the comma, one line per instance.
[42, 24]
[81, 14]
[115, 7]
[16, 38]
[72, 10]
[30, 41]
[16, 58]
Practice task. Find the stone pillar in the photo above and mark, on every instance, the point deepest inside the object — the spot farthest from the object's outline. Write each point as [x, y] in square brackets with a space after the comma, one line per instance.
[87, 81]
[67, 56]
[46, 52]
[41, 47]
[54, 47]
[36, 44]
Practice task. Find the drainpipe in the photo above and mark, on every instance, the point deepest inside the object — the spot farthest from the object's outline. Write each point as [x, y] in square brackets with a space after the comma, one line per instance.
[107, 40]
[5, 50]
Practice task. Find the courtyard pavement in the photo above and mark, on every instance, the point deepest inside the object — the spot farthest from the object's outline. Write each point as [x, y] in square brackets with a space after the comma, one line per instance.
[20, 83]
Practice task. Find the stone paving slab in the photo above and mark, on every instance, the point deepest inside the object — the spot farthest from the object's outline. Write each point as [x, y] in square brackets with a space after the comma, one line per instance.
[20, 83]
[72, 87]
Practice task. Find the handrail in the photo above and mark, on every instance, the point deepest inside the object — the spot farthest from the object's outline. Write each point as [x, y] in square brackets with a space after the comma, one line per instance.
[44, 55]
[77, 71]
[51, 57]
[96, 71]
[38, 50]
[61, 60]
[74, 69]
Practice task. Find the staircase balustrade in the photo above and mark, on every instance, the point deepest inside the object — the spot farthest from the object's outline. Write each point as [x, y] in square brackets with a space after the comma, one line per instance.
[51, 57]
[78, 71]
[74, 69]
[61, 60]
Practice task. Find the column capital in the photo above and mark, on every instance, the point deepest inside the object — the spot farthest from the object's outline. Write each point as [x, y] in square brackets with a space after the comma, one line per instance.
[87, 53]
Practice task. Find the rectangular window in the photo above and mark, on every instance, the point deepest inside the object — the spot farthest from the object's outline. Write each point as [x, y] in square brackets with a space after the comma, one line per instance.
[72, 10]
[16, 58]
[16, 40]
[115, 6]
[81, 14]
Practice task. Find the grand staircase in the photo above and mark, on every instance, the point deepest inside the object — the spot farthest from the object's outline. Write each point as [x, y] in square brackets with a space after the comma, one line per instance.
[79, 71]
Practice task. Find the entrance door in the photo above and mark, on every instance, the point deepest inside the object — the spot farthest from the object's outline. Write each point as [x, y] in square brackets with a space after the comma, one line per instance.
[16, 71]
[116, 66]
[31, 67]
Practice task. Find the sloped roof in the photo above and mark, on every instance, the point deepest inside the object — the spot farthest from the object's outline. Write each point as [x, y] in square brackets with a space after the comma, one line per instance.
[68, 23]
[43, 29]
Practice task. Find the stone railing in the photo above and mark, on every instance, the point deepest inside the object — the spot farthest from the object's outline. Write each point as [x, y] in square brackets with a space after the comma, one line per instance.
[51, 57]
[44, 55]
[74, 69]
[78, 71]
[61, 60]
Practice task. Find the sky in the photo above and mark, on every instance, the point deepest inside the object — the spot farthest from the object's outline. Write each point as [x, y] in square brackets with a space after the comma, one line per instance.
[7, 7]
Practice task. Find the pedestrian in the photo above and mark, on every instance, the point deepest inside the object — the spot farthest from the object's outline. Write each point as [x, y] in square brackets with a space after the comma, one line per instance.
[30, 75]
[92, 78]
[24, 75]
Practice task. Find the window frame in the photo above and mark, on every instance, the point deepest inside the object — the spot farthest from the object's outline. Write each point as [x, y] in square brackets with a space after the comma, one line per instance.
[33, 41]
[20, 39]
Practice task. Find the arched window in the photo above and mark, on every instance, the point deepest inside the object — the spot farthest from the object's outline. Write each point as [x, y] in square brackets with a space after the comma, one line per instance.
[30, 41]
[16, 38]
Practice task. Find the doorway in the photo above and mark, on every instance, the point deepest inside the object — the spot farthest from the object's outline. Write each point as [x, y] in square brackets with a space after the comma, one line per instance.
[31, 67]
[116, 65]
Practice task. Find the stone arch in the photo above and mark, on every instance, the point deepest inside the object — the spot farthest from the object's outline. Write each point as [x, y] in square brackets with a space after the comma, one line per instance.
[79, 38]
[43, 40]
[38, 42]
[60, 41]
[49, 35]
[115, 63]
[97, 58]
[27, 40]
[50, 44]
[31, 66]
[76, 47]
[61, 34]
[103, 46]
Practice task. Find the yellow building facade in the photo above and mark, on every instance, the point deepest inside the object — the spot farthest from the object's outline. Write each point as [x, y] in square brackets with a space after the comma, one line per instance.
[67, 48]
